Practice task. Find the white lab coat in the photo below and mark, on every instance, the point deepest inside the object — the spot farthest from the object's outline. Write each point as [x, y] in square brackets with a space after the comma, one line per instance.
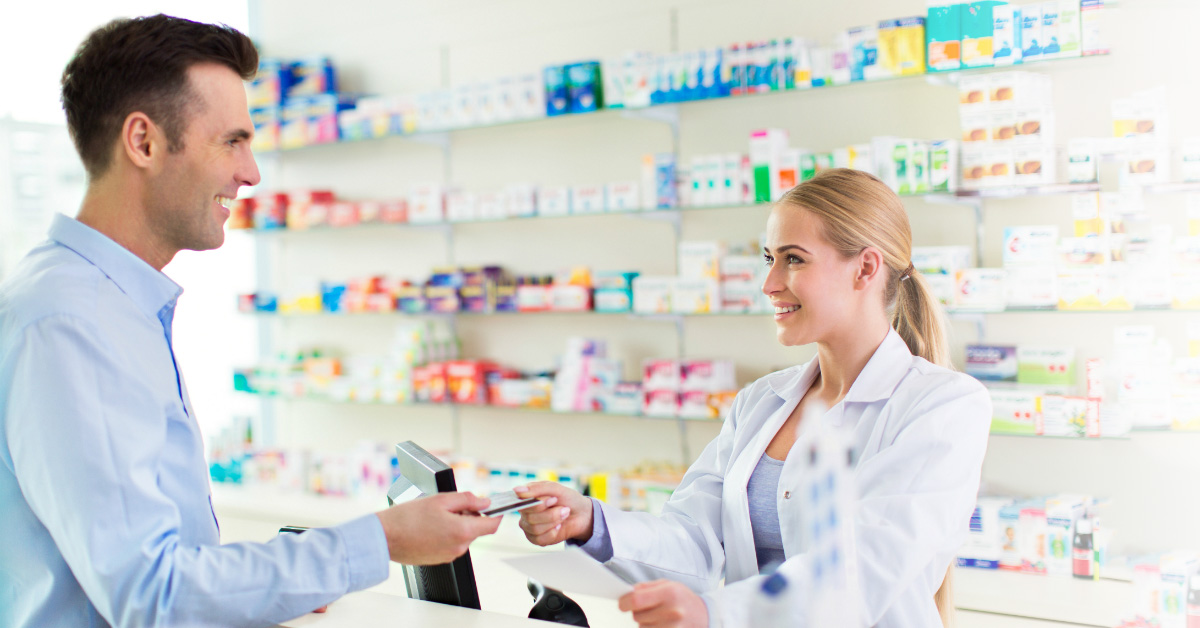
[920, 432]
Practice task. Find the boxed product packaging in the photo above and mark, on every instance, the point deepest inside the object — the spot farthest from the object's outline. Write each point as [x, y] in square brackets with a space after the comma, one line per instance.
[1015, 411]
[992, 362]
[973, 167]
[1034, 165]
[1030, 246]
[1006, 43]
[461, 206]
[976, 127]
[980, 289]
[978, 24]
[1050, 366]
[1032, 287]
[554, 80]
[700, 259]
[1032, 541]
[1082, 159]
[522, 200]
[660, 403]
[554, 201]
[985, 541]
[1031, 32]
[1050, 26]
[695, 296]
[1064, 416]
[1002, 125]
[1061, 514]
[623, 196]
[1069, 29]
[266, 121]
[426, 203]
[706, 375]
[585, 89]
[973, 92]
[1009, 521]
[999, 164]
[943, 35]
[901, 46]
[587, 199]
[766, 153]
[652, 295]
[662, 375]
[492, 206]
[1035, 125]
[1093, 39]
[658, 182]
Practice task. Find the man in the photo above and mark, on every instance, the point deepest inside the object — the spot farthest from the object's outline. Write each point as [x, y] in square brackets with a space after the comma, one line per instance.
[104, 497]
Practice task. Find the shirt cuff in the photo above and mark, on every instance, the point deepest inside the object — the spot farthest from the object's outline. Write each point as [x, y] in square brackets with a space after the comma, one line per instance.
[600, 545]
[366, 551]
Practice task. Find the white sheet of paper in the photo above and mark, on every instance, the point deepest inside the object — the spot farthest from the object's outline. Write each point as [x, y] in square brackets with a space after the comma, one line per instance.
[571, 571]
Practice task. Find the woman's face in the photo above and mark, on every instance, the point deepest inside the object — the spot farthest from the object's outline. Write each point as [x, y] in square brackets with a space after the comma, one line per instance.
[810, 284]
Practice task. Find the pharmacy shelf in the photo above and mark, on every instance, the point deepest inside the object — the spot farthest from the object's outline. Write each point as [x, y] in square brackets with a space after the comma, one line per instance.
[668, 112]
[961, 197]
[1052, 598]
[954, 313]
[1080, 439]
[476, 407]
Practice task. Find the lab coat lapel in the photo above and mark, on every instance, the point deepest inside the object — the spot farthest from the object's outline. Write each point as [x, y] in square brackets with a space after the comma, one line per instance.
[740, 559]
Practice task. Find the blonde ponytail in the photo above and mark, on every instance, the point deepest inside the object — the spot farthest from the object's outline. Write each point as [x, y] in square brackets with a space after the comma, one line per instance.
[858, 210]
[920, 320]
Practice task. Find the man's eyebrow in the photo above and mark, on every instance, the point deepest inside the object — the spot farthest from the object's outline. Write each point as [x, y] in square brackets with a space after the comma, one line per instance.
[238, 134]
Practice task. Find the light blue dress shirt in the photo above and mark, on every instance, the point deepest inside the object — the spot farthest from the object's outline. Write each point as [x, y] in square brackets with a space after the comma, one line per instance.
[105, 509]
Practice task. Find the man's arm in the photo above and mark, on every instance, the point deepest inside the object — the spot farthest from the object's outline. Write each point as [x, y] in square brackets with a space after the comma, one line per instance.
[85, 435]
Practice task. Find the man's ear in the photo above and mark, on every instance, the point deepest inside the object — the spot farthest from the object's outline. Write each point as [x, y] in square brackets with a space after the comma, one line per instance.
[141, 140]
[870, 266]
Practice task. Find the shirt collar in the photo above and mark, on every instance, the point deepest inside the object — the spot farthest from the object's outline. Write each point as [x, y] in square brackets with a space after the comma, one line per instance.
[150, 290]
[878, 379]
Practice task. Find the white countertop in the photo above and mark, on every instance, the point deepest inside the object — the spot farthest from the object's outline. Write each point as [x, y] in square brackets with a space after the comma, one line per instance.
[366, 609]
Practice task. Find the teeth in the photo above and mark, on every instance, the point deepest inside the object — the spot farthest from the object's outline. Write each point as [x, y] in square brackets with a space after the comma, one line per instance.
[225, 201]
[785, 310]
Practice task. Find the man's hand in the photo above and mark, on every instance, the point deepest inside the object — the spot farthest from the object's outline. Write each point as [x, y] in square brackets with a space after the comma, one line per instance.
[664, 604]
[437, 529]
[563, 514]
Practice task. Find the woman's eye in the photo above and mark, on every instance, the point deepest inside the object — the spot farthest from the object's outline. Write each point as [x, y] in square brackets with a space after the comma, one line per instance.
[767, 260]
[792, 259]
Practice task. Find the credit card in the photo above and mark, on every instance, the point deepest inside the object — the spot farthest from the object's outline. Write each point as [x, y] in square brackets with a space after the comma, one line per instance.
[507, 502]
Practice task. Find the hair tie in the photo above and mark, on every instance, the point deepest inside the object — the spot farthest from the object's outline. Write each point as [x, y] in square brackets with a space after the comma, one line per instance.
[907, 272]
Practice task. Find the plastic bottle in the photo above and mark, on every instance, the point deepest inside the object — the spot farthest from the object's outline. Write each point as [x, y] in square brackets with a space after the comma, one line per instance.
[1082, 565]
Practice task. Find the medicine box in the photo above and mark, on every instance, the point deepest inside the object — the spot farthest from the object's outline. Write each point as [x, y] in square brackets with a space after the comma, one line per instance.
[700, 259]
[980, 289]
[554, 201]
[1031, 32]
[978, 24]
[587, 199]
[695, 296]
[1015, 411]
[943, 36]
[1030, 246]
[1006, 43]
[652, 295]
[1032, 287]
[992, 362]
[1053, 366]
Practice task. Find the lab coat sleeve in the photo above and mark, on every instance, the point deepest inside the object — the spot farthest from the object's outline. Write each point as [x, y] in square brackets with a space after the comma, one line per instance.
[915, 499]
[684, 543]
[85, 456]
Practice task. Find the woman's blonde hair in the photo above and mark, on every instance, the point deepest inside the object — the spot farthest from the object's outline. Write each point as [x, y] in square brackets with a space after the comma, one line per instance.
[858, 211]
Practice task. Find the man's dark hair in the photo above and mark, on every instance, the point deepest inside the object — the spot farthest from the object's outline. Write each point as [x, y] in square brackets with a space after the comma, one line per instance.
[141, 64]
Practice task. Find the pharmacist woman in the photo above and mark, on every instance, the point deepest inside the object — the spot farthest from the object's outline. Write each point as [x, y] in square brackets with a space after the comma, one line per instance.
[840, 275]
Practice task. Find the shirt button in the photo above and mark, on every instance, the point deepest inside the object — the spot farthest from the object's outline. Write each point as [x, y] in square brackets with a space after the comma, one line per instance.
[787, 494]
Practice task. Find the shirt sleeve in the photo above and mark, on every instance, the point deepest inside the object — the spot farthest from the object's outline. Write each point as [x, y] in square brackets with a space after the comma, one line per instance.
[84, 436]
[600, 545]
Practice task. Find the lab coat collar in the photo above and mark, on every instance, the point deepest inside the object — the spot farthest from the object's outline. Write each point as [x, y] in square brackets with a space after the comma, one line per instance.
[878, 379]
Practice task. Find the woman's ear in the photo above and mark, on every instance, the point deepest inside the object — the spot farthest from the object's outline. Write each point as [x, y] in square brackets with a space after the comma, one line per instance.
[870, 266]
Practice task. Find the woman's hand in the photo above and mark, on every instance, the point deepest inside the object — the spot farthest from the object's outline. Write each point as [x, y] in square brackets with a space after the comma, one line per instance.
[563, 514]
[665, 604]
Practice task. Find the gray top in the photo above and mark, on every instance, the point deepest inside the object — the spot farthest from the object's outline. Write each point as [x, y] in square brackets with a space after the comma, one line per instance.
[762, 492]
